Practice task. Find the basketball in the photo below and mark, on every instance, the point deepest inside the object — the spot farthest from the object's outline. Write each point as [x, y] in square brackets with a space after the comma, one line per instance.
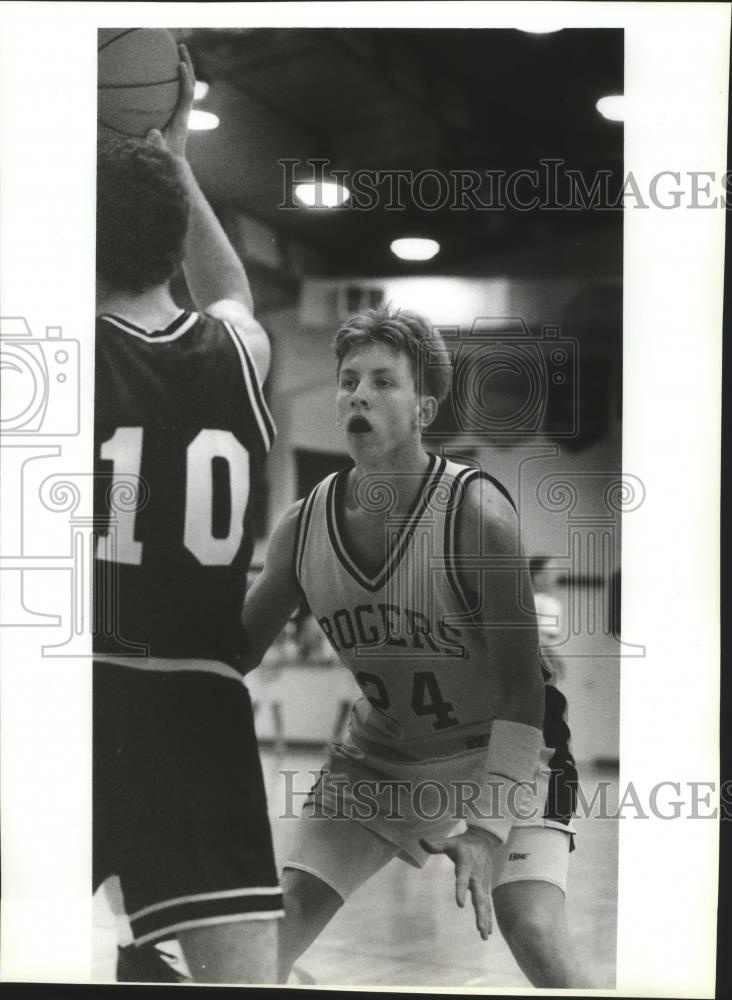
[137, 80]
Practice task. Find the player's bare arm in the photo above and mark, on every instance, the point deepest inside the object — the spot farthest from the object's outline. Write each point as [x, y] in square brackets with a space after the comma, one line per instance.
[274, 595]
[215, 276]
[498, 590]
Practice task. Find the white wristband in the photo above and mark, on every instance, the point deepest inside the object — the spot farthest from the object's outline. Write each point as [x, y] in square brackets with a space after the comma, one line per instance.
[513, 750]
[513, 759]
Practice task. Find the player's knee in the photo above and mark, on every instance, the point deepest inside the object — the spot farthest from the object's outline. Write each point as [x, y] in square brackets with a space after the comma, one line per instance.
[526, 921]
[309, 905]
[307, 898]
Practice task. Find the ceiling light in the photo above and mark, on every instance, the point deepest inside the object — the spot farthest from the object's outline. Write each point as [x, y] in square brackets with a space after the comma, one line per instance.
[202, 121]
[540, 24]
[415, 248]
[325, 194]
[200, 90]
[612, 107]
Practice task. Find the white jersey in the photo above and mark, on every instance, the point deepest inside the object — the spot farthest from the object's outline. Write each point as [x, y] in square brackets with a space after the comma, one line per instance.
[405, 633]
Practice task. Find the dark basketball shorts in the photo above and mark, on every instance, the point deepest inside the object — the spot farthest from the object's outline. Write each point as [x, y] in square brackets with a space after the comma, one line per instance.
[179, 808]
[561, 802]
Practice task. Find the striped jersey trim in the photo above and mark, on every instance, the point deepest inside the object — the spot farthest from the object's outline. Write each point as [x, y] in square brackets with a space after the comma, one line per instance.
[254, 390]
[182, 324]
[457, 498]
[431, 478]
[303, 525]
[164, 664]
[460, 485]
[479, 474]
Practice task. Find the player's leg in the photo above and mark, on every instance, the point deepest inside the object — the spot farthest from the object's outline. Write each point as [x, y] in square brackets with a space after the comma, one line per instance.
[530, 878]
[110, 826]
[529, 904]
[329, 859]
[533, 921]
[198, 861]
[310, 904]
[243, 952]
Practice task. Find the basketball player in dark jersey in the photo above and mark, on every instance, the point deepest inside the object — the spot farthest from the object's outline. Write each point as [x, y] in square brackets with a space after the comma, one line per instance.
[181, 428]
[412, 566]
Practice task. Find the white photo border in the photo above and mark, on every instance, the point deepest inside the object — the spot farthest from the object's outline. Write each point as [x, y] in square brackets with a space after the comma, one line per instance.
[676, 90]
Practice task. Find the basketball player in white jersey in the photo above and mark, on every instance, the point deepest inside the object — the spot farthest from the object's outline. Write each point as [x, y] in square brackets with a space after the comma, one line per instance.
[180, 815]
[413, 568]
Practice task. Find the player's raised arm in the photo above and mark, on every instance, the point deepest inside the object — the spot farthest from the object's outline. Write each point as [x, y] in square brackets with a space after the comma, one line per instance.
[216, 277]
[497, 589]
[274, 595]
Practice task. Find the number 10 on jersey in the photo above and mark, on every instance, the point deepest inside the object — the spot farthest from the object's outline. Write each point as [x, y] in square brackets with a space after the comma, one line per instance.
[124, 451]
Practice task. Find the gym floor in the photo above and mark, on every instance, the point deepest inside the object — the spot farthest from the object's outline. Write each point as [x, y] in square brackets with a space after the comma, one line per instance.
[403, 927]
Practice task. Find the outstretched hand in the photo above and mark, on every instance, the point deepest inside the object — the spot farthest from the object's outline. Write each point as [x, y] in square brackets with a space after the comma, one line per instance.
[173, 137]
[472, 854]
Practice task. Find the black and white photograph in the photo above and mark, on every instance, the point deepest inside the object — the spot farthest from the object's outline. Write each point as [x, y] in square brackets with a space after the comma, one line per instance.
[342, 579]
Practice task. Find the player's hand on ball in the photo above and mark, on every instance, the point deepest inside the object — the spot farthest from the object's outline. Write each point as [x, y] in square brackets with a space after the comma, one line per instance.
[174, 135]
[471, 853]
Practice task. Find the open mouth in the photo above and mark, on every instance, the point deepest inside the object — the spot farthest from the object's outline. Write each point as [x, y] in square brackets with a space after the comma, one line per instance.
[358, 425]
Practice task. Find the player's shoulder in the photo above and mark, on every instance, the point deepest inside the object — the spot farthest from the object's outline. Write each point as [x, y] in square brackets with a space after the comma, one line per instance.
[489, 500]
[289, 520]
[248, 331]
[302, 511]
[297, 522]
[486, 514]
[284, 540]
[481, 493]
[291, 530]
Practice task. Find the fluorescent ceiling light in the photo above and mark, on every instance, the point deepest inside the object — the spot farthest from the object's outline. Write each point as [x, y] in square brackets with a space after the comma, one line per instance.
[200, 90]
[415, 248]
[202, 121]
[612, 107]
[327, 194]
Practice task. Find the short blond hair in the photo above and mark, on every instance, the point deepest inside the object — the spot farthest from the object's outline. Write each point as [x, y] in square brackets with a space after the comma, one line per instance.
[406, 333]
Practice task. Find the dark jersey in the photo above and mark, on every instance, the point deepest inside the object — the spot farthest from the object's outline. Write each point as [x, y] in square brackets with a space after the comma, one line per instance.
[181, 428]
